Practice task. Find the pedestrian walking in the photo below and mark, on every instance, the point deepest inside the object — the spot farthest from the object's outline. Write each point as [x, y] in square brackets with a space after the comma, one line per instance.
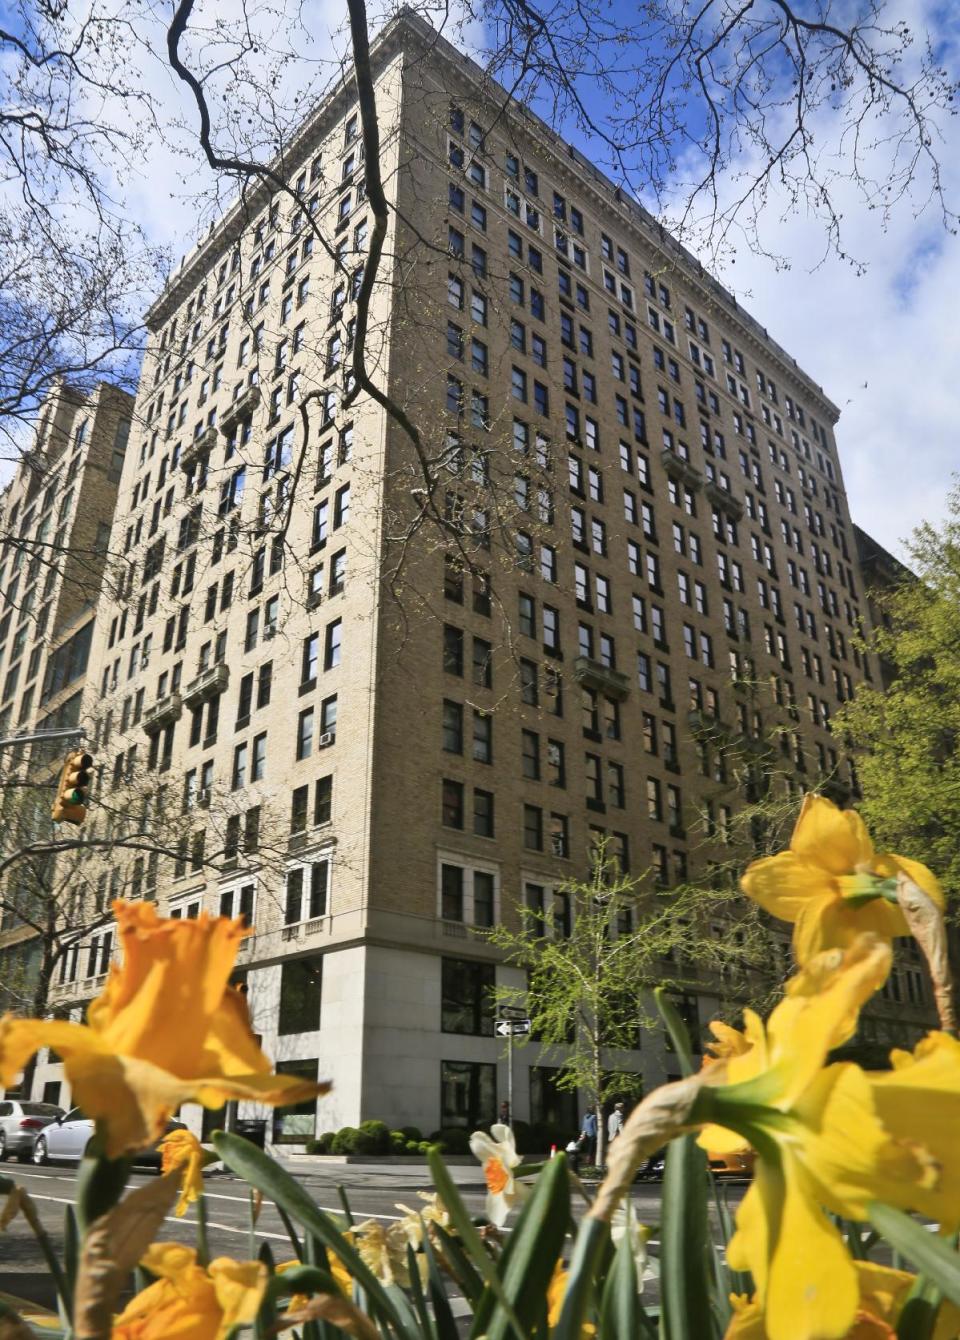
[614, 1123]
[588, 1136]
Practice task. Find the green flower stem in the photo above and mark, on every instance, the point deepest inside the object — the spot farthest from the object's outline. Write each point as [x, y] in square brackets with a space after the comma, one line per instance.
[203, 1244]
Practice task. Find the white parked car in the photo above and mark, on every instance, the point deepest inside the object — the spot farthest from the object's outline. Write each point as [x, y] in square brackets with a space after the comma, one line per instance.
[20, 1122]
[67, 1138]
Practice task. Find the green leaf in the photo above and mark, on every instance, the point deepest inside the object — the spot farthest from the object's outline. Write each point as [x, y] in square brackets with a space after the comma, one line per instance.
[685, 1269]
[927, 1253]
[459, 1264]
[71, 1246]
[463, 1224]
[531, 1254]
[446, 1328]
[621, 1313]
[677, 1031]
[428, 1330]
[303, 1279]
[593, 1238]
[918, 1316]
[100, 1184]
[260, 1171]
[266, 1318]
[292, 1233]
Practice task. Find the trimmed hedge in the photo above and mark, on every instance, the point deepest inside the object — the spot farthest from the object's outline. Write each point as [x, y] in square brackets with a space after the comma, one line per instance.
[375, 1138]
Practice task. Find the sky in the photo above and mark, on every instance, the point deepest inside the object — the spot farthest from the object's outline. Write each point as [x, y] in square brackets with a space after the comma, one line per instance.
[882, 343]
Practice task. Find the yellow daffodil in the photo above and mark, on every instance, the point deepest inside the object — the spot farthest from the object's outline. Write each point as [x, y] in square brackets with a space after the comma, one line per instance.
[167, 1029]
[432, 1212]
[831, 883]
[182, 1149]
[384, 1249]
[831, 1138]
[882, 1294]
[556, 1292]
[190, 1302]
[498, 1154]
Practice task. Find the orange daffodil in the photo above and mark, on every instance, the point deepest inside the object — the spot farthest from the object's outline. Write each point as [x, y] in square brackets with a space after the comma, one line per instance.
[833, 1138]
[831, 883]
[188, 1302]
[182, 1149]
[167, 1029]
[498, 1154]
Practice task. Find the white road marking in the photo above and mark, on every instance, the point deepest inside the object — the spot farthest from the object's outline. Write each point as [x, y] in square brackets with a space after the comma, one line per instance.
[210, 1195]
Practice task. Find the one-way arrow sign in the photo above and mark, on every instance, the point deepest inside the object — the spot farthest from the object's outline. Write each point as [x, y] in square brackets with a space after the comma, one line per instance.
[512, 1027]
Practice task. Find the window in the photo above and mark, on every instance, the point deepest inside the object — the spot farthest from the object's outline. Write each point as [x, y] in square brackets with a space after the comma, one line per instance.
[483, 827]
[533, 828]
[452, 650]
[482, 737]
[331, 654]
[530, 754]
[467, 997]
[305, 723]
[301, 982]
[259, 759]
[239, 776]
[452, 733]
[452, 804]
[468, 1094]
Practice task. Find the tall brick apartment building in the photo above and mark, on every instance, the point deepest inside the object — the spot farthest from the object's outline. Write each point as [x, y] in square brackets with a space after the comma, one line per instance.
[382, 708]
[55, 516]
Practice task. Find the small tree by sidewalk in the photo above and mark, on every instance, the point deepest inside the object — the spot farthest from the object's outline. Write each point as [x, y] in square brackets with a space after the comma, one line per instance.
[593, 956]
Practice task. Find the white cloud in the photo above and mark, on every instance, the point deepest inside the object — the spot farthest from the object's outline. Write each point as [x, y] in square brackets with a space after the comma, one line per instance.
[883, 345]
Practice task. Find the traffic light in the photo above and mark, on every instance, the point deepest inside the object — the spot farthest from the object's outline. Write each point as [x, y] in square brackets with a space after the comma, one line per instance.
[70, 805]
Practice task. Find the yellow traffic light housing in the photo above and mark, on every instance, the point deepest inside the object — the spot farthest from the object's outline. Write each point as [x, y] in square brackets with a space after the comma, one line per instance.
[70, 805]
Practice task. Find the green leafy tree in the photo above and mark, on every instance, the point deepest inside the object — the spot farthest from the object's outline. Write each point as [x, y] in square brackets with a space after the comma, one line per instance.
[908, 732]
[593, 956]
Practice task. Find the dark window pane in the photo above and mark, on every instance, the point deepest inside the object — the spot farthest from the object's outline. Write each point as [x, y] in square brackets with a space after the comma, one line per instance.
[300, 985]
[467, 997]
[468, 1094]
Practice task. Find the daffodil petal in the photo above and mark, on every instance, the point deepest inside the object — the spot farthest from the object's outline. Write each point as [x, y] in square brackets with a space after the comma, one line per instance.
[919, 1104]
[886, 863]
[832, 923]
[827, 837]
[239, 1287]
[805, 1278]
[784, 884]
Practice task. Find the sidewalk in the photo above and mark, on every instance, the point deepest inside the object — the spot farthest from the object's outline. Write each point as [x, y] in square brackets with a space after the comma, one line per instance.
[376, 1174]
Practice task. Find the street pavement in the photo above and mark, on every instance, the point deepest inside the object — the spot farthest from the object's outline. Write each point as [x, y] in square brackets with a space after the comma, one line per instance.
[373, 1191]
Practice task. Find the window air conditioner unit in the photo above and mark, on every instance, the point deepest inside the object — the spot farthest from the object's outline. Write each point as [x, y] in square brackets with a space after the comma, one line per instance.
[269, 633]
[203, 799]
[326, 739]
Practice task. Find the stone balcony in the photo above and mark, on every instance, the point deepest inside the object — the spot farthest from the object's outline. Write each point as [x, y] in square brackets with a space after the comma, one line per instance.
[164, 712]
[680, 469]
[601, 677]
[207, 684]
[204, 442]
[724, 500]
[241, 408]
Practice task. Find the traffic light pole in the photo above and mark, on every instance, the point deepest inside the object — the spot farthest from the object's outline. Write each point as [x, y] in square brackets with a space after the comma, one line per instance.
[35, 737]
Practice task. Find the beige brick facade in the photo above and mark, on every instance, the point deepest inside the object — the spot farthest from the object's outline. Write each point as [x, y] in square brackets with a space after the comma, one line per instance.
[651, 484]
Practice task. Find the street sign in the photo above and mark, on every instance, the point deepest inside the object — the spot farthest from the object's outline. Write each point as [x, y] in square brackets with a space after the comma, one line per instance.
[512, 1012]
[511, 1028]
